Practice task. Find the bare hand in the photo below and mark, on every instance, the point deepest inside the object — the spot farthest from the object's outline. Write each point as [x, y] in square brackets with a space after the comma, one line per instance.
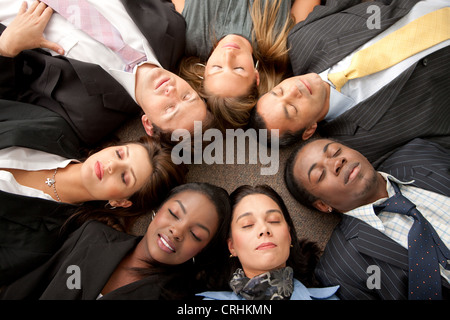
[26, 31]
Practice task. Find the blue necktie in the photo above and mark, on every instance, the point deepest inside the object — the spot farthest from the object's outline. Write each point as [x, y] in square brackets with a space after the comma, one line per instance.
[425, 249]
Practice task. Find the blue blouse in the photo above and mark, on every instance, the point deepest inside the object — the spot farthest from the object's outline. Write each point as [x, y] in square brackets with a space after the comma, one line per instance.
[300, 293]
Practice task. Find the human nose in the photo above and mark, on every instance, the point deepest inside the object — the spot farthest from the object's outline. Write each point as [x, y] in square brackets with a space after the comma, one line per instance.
[176, 230]
[293, 92]
[336, 164]
[113, 166]
[229, 57]
[170, 89]
[264, 230]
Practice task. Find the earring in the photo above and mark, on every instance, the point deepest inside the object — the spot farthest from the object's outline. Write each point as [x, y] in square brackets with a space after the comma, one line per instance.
[231, 256]
[201, 65]
[109, 206]
[257, 64]
[330, 209]
[153, 214]
[193, 260]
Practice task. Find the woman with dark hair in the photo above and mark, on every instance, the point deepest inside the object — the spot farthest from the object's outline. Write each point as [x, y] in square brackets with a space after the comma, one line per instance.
[269, 262]
[165, 263]
[42, 192]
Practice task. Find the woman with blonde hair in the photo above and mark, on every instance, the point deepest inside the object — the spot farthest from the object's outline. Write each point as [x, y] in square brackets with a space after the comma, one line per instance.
[236, 51]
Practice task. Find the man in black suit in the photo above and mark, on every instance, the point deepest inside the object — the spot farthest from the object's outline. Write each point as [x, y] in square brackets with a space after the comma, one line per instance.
[412, 104]
[328, 176]
[90, 99]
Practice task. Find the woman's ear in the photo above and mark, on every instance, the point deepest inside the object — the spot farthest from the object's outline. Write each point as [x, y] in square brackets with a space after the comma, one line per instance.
[124, 203]
[257, 77]
[231, 247]
[322, 206]
[148, 126]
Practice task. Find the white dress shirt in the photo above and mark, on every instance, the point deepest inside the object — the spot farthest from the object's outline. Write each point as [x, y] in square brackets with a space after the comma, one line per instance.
[31, 160]
[358, 90]
[80, 46]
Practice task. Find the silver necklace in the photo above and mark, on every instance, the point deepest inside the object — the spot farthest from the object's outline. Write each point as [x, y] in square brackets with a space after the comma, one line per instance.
[51, 183]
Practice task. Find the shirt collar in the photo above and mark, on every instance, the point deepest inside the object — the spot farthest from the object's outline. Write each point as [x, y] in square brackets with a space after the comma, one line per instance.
[367, 214]
[128, 79]
[339, 103]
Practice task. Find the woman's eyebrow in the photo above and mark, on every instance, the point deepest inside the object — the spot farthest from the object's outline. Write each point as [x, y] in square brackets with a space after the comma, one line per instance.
[245, 214]
[131, 169]
[181, 206]
[274, 210]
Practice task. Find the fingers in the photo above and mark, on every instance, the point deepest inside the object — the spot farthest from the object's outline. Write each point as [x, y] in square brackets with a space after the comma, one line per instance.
[23, 8]
[38, 8]
[52, 46]
[33, 7]
[46, 15]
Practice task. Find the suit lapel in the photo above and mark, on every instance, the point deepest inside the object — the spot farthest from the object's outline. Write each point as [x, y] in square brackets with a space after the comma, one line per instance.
[345, 23]
[100, 261]
[367, 113]
[375, 244]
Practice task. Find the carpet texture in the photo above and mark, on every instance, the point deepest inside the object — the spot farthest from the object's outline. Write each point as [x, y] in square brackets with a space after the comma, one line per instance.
[311, 224]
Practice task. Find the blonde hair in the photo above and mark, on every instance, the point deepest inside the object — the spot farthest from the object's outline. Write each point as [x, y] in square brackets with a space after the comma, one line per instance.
[269, 48]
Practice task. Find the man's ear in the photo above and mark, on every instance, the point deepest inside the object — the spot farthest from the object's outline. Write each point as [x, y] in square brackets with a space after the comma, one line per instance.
[124, 203]
[322, 206]
[309, 131]
[148, 126]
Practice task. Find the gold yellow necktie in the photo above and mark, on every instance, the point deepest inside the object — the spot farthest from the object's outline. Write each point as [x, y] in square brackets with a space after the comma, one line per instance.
[416, 36]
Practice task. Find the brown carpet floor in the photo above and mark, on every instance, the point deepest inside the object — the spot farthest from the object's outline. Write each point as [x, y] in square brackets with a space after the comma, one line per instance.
[311, 224]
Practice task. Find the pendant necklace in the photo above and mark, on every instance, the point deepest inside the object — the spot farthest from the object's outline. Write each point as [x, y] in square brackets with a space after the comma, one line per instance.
[51, 183]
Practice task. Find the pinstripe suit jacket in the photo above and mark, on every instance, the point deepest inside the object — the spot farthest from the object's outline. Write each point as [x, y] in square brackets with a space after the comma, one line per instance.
[355, 245]
[427, 163]
[352, 248]
[415, 104]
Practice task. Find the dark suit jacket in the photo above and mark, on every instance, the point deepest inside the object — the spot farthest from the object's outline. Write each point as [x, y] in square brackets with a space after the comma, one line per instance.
[414, 105]
[427, 163]
[96, 249]
[85, 95]
[30, 227]
[31, 126]
[354, 245]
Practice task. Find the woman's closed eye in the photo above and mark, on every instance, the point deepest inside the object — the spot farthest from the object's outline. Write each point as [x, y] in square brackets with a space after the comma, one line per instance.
[197, 238]
[120, 153]
[173, 214]
[124, 178]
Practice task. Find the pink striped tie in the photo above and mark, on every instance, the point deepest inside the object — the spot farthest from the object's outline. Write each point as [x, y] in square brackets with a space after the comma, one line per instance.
[86, 17]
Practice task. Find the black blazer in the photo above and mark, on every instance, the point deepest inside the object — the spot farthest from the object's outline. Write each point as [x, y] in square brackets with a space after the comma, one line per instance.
[354, 245]
[30, 228]
[86, 96]
[96, 249]
[414, 105]
[31, 126]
